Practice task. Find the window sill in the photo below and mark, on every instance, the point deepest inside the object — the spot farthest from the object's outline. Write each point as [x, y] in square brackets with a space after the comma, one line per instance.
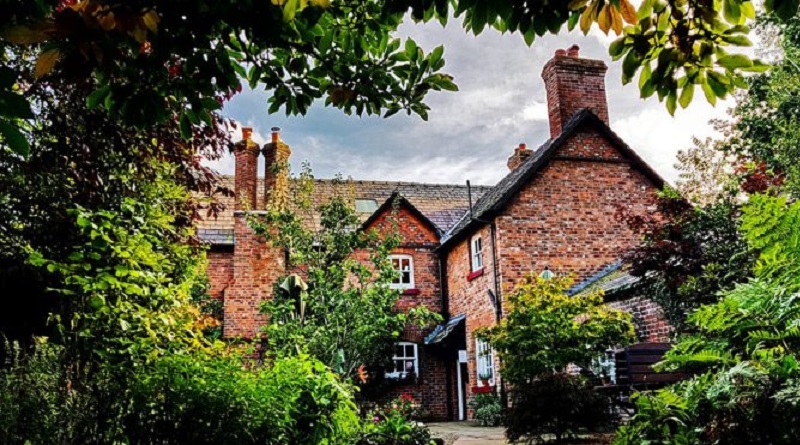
[411, 291]
[482, 389]
[475, 274]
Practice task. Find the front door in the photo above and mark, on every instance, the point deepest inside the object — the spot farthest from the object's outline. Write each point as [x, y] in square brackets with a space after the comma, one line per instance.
[462, 381]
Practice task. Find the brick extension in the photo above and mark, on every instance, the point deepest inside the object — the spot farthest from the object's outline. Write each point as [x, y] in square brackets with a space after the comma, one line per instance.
[555, 209]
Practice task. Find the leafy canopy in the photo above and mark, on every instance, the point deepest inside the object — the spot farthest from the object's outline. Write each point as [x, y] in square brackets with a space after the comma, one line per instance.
[744, 350]
[546, 329]
[152, 58]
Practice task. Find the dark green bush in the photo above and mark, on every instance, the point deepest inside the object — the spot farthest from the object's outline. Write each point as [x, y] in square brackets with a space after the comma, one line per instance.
[488, 409]
[189, 399]
[557, 404]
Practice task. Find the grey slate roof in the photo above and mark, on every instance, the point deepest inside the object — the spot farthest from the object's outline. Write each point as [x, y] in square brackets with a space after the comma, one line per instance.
[441, 204]
[495, 199]
[611, 279]
[218, 237]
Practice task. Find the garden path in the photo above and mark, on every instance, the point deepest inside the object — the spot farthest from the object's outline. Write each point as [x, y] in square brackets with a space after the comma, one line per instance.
[467, 433]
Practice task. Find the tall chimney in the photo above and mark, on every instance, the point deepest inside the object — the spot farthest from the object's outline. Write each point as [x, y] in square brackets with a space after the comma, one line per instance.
[245, 154]
[573, 84]
[521, 153]
[276, 172]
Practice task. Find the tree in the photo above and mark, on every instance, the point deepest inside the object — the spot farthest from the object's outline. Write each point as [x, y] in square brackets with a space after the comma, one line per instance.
[544, 332]
[546, 329]
[688, 254]
[707, 174]
[82, 161]
[763, 132]
[743, 350]
[336, 271]
[154, 59]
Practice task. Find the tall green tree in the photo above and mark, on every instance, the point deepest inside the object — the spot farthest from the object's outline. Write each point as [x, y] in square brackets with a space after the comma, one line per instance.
[765, 129]
[336, 302]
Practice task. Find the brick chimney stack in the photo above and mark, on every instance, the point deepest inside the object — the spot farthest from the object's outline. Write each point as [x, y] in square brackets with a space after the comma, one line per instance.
[245, 154]
[276, 171]
[573, 84]
[521, 153]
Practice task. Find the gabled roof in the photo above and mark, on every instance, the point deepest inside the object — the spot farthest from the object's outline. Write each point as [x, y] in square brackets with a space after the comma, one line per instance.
[442, 204]
[496, 199]
[388, 205]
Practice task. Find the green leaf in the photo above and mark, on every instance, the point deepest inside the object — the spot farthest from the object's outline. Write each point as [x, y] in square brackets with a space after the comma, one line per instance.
[758, 67]
[686, 95]
[14, 138]
[14, 105]
[731, 11]
[711, 96]
[738, 40]
[617, 48]
[672, 98]
[98, 96]
[734, 61]
[186, 126]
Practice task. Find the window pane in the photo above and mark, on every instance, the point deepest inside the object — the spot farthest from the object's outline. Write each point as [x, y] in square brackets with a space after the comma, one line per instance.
[398, 350]
[366, 205]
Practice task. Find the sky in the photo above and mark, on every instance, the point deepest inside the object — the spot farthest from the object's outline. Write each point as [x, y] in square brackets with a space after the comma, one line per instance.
[471, 133]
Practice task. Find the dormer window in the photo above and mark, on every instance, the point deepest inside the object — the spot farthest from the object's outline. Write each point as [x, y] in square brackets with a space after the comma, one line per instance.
[476, 250]
[364, 205]
[404, 266]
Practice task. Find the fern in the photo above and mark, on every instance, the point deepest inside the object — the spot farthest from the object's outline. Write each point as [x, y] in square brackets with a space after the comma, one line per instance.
[771, 225]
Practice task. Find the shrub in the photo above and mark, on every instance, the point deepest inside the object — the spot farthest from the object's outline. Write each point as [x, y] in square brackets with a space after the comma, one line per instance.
[556, 403]
[488, 410]
[392, 425]
[178, 399]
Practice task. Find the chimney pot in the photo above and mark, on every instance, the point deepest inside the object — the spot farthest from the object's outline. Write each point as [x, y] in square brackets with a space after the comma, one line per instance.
[522, 146]
[247, 133]
[574, 51]
[561, 52]
[574, 83]
[276, 134]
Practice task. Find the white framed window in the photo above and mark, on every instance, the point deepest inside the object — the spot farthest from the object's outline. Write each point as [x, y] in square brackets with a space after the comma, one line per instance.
[476, 251]
[404, 360]
[404, 266]
[484, 360]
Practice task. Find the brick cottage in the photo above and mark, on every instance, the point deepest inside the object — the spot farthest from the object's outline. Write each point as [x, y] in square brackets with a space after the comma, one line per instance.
[554, 211]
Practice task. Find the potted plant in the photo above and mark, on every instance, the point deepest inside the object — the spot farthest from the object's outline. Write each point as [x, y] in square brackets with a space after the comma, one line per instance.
[602, 369]
[485, 377]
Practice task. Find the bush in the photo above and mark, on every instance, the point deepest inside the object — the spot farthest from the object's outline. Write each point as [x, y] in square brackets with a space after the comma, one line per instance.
[556, 403]
[392, 425]
[197, 399]
[488, 410]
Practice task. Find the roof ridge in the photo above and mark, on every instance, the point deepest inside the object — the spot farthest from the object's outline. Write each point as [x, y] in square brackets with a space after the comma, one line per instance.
[385, 182]
[497, 197]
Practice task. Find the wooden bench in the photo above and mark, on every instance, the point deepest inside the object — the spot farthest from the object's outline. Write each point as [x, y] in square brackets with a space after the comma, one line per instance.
[634, 367]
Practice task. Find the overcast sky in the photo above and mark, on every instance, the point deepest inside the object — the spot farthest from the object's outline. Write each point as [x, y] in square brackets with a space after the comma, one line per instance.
[471, 133]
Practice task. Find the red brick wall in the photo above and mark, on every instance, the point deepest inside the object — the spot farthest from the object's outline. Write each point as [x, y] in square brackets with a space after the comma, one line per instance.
[565, 217]
[470, 297]
[220, 272]
[256, 268]
[419, 239]
[651, 324]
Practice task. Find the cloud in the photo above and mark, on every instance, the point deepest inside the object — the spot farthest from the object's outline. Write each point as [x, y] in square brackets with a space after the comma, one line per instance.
[470, 133]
